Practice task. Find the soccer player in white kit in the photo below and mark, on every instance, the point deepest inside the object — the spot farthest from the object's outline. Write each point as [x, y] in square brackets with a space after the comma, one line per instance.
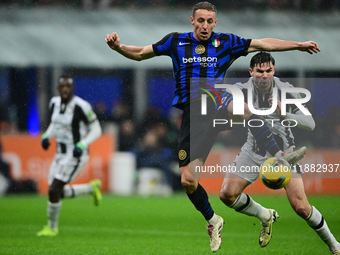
[262, 69]
[75, 126]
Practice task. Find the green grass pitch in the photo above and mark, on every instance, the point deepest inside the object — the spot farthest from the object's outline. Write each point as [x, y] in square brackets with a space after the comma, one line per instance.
[155, 225]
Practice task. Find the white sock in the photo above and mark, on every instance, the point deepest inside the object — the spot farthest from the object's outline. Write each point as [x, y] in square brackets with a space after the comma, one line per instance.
[246, 205]
[213, 220]
[317, 222]
[77, 190]
[53, 212]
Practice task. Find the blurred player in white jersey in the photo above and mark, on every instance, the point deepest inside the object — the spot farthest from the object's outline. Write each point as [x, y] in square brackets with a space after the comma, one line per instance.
[262, 69]
[75, 126]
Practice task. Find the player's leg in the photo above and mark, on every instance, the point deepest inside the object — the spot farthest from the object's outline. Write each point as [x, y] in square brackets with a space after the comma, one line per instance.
[245, 171]
[196, 138]
[73, 167]
[263, 136]
[299, 202]
[199, 198]
[53, 209]
[192, 147]
[54, 203]
[91, 188]
[232, 195]
[196, 193]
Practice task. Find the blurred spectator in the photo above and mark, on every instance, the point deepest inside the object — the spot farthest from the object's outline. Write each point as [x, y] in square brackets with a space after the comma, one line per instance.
[150, 154]
[126, 135]
[122, 117]
[100, 110]
[152, 119]
[158, 142]
[121, 111]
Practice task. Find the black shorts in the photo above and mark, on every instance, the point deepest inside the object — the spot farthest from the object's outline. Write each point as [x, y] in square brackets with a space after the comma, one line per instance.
[197, 134]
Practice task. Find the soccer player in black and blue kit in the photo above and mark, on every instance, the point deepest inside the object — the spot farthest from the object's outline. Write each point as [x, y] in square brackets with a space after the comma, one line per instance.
[206, 55]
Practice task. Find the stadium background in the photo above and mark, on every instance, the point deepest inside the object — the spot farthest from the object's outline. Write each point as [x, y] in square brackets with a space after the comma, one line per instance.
[43, 39]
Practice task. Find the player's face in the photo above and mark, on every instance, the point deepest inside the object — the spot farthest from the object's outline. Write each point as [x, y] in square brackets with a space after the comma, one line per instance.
[263, 75]
[204, 21]
[66, 89]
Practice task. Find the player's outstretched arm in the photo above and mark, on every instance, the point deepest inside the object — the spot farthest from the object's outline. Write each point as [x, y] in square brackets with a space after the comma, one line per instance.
[271, 44]
[129, 51]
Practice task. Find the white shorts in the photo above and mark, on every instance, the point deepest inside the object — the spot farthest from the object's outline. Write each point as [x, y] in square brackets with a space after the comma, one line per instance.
[247, 165]
[66, 168]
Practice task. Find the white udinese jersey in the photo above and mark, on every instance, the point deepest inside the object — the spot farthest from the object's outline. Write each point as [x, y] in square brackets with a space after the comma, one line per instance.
[282, 134]
[70, 121]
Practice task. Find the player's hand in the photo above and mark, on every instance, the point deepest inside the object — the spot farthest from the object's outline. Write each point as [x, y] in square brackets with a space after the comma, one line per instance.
[310, 47]
[113, 41]
[45, 143]
[78, 150]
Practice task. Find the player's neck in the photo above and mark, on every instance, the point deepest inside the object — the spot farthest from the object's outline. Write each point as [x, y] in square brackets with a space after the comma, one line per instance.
[67, 100]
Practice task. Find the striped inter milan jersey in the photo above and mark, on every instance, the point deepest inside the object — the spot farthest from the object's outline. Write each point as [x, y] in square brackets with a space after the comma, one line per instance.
[196, 61]
[70, 121]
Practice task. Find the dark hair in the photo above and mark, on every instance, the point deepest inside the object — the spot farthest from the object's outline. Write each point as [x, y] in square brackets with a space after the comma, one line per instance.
[67, 77]
[261, 58]
[203, 6]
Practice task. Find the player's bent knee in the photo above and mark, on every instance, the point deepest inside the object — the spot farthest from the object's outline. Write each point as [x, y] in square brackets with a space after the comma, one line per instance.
[54, 194]
[227, 199]
[227, 196]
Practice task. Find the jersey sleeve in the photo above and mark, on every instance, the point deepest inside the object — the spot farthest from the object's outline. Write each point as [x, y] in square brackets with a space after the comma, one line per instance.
[89, 113]
[239, 45]
[163, 46]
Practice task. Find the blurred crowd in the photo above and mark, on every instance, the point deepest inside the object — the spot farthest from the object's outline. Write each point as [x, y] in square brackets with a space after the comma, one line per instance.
[152, 140]
[300, 5]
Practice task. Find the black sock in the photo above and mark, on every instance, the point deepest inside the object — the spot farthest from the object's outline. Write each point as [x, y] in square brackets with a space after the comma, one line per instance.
[264, 137]
[200, 200]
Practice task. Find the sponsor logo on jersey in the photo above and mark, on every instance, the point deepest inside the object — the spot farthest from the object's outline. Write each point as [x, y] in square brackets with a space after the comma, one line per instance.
[183, 43]
[204, 61]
